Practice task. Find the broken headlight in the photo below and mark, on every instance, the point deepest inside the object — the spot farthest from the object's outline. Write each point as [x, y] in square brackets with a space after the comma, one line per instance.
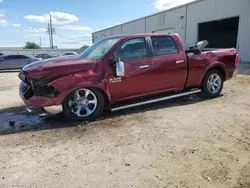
[41, 88]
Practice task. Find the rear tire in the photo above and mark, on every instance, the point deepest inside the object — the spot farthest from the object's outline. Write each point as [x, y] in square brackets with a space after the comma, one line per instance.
[212, 84]
[81, 106]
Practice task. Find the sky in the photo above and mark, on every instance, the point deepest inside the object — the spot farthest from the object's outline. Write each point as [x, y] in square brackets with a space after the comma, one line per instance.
[73, 20]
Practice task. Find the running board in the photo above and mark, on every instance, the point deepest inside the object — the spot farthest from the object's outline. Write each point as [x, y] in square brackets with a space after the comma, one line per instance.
[155, 100]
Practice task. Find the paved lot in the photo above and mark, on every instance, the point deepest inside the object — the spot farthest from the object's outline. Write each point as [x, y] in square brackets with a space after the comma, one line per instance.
[189, 142]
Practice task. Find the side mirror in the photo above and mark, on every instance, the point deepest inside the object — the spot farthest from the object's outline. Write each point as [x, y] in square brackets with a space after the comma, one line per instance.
[119, 68]
[1, 59]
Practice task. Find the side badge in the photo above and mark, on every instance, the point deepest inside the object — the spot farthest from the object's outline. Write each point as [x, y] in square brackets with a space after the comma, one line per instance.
[115, 80]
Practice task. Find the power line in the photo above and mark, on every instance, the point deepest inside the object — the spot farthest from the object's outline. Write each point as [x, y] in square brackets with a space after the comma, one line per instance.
[71, 38]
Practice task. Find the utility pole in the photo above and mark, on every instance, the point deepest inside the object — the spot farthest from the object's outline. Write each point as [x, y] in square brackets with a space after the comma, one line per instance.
[51, 30]
[48, 31]
[40, 41]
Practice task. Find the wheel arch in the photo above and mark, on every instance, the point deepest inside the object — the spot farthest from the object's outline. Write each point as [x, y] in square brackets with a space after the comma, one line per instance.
[220, 67]
[90, 85]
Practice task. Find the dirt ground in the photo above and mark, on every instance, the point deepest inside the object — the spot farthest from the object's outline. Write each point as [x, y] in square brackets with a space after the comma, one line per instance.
[189, 142]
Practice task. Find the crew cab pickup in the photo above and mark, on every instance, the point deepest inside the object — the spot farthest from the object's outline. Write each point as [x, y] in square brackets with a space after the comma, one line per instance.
[115, 71]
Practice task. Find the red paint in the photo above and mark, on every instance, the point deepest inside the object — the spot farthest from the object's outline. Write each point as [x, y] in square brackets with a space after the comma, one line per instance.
[162, 74]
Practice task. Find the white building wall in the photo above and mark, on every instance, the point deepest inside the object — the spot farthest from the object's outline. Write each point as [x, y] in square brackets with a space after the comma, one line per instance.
[169, 20]
[117, 30]
[193, 14]
[137, 26]
[211, 10]
[98, 35]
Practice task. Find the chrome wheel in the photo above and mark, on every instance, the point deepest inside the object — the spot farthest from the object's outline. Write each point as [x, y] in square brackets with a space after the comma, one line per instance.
[83, 103]
[214, 83]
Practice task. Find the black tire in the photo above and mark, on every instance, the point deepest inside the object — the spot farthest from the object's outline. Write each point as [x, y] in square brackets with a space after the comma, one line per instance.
[97, 112]
[206, 91]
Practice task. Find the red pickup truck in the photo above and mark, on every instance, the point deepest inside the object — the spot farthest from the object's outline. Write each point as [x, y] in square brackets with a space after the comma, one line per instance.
[115, 71]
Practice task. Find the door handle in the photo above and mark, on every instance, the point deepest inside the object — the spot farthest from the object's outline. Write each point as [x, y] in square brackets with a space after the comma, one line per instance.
[144, 66]
[180, 61]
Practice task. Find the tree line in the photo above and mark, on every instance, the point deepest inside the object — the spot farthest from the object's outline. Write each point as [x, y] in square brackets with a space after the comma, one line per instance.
[32, 45]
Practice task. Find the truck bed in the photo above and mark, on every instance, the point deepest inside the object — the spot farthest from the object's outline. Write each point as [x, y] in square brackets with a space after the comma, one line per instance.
[199, 64]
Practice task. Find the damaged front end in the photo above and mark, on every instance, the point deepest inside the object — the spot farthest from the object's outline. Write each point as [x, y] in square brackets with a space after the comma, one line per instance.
[37, 87]
[38, 93]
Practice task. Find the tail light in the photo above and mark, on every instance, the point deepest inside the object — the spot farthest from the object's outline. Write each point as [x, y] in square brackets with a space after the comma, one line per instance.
[237, 60]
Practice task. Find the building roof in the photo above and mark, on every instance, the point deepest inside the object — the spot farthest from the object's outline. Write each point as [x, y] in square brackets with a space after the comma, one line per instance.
[173, 8]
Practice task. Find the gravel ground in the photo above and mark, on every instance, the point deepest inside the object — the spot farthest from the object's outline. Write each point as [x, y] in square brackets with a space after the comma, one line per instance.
[188, 142]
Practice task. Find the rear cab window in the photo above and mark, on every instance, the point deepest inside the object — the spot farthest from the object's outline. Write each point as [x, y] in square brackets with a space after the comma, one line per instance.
[21, 57]
[163, 45]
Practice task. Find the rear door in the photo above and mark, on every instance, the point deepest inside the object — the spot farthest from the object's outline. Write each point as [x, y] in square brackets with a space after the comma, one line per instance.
[169, 65]
[21, 61]
[133, 53]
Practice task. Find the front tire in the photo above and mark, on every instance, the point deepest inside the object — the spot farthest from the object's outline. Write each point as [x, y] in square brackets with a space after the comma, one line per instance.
[212, 84]
[84, 104]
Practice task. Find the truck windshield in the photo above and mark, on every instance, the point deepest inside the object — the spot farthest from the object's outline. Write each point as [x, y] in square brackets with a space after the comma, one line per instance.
[99, 49]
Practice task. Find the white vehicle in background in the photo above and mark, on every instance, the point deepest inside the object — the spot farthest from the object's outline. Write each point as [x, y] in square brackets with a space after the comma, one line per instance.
[69, 53]
[16, 61]
[2, 54]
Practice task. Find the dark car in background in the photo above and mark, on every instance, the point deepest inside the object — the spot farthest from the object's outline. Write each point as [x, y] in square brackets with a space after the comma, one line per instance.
[16, 61]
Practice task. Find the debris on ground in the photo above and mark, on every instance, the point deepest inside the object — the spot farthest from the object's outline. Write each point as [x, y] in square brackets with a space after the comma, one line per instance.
[195, 149]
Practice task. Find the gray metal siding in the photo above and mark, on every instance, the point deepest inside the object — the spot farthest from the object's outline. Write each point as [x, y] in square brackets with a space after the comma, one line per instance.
[210, 10]
[117, 30]
[168, 20]
[98, 36]
[187, 28]
[137, 26]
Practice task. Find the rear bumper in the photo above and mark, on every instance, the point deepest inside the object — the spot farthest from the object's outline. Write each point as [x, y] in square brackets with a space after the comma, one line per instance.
[49, 105]
[230, 74]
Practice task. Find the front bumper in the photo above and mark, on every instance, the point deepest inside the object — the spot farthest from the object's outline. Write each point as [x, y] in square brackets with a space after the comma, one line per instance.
[49, 105]
[53, 109]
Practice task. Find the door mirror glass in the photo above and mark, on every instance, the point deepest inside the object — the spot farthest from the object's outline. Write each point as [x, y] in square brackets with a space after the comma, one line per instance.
[119, 68]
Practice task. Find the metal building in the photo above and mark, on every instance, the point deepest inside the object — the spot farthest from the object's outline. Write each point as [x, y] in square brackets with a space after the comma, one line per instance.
[224, 23]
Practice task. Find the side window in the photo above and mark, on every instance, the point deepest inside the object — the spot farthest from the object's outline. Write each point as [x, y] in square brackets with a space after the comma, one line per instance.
[164, 45]
[132, 49]
[9, 57]
[21, 57]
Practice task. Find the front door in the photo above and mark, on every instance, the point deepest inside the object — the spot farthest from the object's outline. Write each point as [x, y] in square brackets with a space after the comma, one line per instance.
[133, 53]
[8, 62]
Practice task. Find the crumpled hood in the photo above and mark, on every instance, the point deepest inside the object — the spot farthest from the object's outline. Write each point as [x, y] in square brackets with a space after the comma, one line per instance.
[58, 66]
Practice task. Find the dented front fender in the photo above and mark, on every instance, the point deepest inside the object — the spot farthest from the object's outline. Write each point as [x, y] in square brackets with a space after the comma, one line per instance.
[67, 84]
